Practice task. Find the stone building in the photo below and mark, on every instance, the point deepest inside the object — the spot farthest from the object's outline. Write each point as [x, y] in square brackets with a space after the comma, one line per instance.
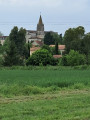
[36, 35]
[2, 39]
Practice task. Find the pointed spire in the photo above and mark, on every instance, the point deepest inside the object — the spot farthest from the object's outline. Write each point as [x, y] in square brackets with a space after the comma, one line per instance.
[40, 20]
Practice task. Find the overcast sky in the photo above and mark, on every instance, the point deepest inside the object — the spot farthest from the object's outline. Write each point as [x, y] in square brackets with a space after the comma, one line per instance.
[58, 15]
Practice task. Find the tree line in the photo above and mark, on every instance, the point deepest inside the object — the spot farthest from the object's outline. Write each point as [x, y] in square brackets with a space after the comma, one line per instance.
[16, 51]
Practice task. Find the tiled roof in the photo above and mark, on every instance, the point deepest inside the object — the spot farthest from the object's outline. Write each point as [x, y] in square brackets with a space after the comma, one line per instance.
[3, 36]
[60, 47]
[39, 42]
[52, 45]
[57, 56]
[34, 48]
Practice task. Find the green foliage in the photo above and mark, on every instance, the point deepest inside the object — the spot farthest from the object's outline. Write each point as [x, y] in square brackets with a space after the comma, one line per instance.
[20, 44]
[56, 48]
[73, 59]
[14, 47]
[56, 37]
[73, 38]
[61, 39]
[1, 60]
[39, 57]
[11, 57]
[14, 35]
[18, 37]
[49, 39]
[85, 45]
[1, 48]
[46, 47]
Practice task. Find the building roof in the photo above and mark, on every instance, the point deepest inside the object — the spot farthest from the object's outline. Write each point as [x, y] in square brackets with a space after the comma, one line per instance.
[31, 31]
[34, 48]
[57, 56]
[3, 36]
[40, 43]
[40, 21]
[60, 47]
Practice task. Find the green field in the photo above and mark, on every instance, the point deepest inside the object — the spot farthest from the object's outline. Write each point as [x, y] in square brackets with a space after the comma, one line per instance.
[63, 105]
[45, 94]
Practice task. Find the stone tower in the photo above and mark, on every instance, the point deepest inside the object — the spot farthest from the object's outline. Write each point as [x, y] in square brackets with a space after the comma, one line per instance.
[40, 25]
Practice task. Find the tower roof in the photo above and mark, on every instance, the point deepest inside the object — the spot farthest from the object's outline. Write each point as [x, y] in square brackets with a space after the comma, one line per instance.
[40, 21]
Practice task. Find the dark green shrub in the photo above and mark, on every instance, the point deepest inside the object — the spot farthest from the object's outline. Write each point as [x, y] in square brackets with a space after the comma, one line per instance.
[1, 61]
[73, 59]
[41, 57]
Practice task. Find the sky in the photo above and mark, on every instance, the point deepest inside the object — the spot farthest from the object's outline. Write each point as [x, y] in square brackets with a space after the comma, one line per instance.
[57, 15]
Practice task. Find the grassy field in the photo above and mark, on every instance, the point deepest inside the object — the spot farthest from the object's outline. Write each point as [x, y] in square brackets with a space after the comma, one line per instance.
[36, 81]
[45, 94]
[63, 105]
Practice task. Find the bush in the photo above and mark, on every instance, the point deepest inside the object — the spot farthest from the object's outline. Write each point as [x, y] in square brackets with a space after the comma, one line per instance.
[41, 57]
[1, 61]
[73, 59]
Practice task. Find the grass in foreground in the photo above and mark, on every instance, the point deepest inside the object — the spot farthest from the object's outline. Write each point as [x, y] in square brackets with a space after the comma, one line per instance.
[26, 82]
[51, 94]
[62, 105]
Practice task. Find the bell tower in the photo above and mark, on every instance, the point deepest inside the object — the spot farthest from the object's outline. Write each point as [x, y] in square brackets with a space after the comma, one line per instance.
[40, 25]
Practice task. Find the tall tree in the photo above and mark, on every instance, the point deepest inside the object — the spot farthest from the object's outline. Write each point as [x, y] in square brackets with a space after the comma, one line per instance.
[56, 48]
[49, 39]
[85, 47]
[15, 54]
[18, 37]
[14, 35]
[21, 41]
[61, 39]
[73, 38]
[11, 57]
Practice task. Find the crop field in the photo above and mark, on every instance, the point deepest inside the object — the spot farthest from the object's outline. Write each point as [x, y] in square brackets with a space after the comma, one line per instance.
[44, 78]
[45, 94]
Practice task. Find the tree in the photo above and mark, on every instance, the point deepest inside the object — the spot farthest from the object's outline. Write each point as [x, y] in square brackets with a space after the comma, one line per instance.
[61, 39]
[46, 47]
[56, 48]
[56, 37]
[85, 47]
[1, 47]
[15, 47]
[73, 38]
[41, 57]
[14, 35]
[73, 59]
[10, 57]
[21, 41]
[18, 36]
[49, 39]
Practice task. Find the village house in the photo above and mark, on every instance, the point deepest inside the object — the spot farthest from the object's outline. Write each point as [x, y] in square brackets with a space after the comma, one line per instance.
[37, 35]
[2, 39]
[61, 48]
[33, 49]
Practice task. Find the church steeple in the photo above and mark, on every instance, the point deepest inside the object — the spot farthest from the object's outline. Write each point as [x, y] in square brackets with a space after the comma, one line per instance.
[40, 20]
[40, 25]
